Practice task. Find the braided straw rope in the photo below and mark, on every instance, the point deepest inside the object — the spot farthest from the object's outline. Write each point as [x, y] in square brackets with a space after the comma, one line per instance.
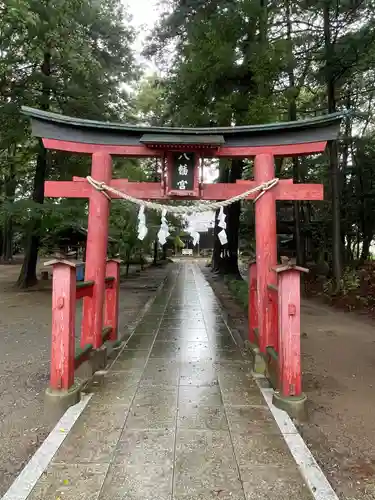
[183, 209]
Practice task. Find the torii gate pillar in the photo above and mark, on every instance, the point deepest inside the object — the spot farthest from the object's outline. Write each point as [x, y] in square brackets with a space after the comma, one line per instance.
[96, 252]
[266, 246]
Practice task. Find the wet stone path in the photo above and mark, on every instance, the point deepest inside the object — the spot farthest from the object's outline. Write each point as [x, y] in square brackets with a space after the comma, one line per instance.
[178, 416]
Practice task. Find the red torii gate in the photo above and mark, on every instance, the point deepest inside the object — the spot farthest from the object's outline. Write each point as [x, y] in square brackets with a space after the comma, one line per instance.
[103, 140]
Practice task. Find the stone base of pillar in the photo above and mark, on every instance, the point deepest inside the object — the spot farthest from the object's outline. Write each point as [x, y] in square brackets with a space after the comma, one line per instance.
[272, 369]
[83, 372]
[294, 406]
[258, 361]
[57, 402]
[98, 359]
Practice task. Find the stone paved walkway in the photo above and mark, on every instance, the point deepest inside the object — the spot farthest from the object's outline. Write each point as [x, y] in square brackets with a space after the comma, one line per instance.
[25, 336]
[178, 416]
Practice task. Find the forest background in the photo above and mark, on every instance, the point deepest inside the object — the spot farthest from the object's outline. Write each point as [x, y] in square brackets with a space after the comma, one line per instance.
[204, 62]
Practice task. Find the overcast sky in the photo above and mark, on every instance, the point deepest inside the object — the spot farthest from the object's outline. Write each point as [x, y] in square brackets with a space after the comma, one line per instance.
[145, 14]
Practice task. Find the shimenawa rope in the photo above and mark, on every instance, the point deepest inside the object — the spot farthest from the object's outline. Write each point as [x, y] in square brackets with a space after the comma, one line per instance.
[183, 209]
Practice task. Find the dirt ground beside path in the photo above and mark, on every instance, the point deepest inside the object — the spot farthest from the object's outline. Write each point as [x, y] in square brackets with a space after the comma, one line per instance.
[25, 332]
[339, 378]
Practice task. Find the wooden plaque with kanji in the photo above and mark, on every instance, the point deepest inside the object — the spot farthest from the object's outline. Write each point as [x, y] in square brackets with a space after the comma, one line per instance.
[183, 174]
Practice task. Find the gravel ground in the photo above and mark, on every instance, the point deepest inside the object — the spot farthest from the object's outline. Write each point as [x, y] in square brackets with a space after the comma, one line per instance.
[25, 332]
[339, 368]
[338, 362]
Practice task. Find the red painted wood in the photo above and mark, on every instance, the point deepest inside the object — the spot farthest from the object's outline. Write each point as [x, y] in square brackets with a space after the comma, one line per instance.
[107, 335]
[66, 189]
[63, 327]
[112, 295]
[197, 177]
[80, 147]
[253, 306]
[290, 333]
[285, 190]
[76, 178]
[273, 318]
[144, 190]
[250, 184]
[266, 247]
[96, 253]
[79, 361]
[109, 284]
[277, 150]
[223, 152]
[84, 291]
[163, 180]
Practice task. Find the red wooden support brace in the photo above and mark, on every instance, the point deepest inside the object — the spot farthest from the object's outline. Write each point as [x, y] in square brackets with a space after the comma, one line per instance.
[266, 246]
[253, 305]
[96, 253]
[111, 310]
[63, 324]
[289, 330]
[273, 315]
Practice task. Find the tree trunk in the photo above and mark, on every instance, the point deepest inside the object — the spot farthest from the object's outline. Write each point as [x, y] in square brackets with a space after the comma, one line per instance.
[10, 185]
[8, 239]
[155, 260]
[156, 179]
[225, 260]
[27, 275]
[218, 249]
[365, 248]
[361, 229]
[349, 249]
[346, 187]
[292, 111]
[127, 257]
[263, 86]
[333, 151]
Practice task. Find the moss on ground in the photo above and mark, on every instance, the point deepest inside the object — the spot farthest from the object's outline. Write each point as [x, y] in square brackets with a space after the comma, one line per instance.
[239, 290]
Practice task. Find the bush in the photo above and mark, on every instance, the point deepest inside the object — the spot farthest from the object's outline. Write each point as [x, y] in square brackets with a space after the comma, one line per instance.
[350, 282]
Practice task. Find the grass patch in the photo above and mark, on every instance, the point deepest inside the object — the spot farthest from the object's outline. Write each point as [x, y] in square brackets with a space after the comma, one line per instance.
[239, 290]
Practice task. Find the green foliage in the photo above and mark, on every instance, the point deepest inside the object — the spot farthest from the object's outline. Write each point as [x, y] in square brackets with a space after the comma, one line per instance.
[224, 62]
[219, 65]
[350, 282]
[150, 101]
[178, 243]
[68, 56]
[253, 61]
[239, 290]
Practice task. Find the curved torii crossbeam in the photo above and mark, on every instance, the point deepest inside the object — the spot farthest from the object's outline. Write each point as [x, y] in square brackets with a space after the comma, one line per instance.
[103, 140]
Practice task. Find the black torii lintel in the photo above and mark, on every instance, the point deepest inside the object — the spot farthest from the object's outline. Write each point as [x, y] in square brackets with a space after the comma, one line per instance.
[49, 125]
